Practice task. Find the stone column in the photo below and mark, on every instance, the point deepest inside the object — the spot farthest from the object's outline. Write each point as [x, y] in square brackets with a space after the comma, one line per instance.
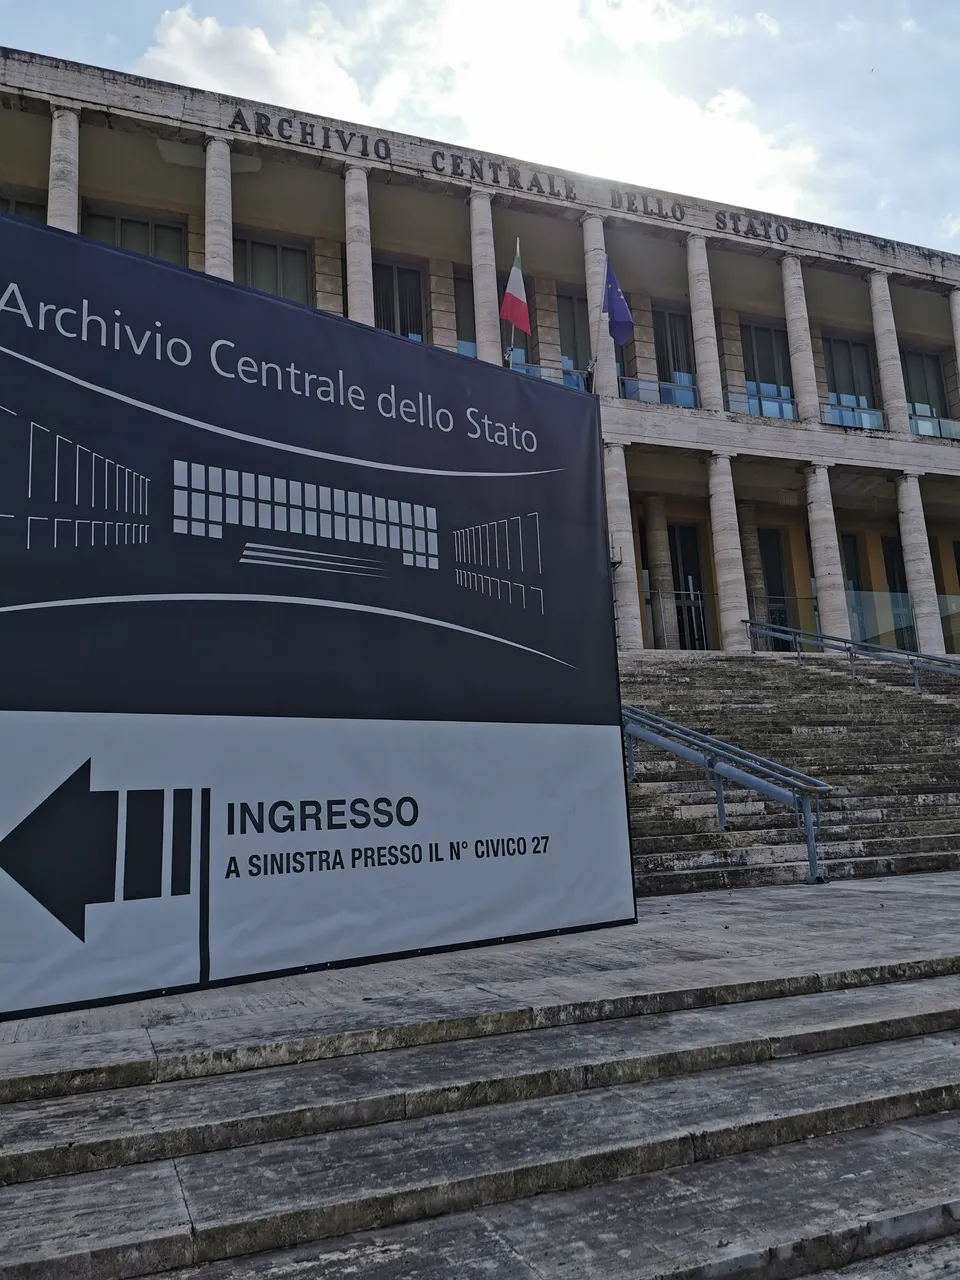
[486, 303]
[620, 526]
[660, 565]
[952, 371]
[825, 551]
[359, 260]
[752, 563]
[218, 211]
[704, 324]
[918, 564]
[888, 354]
[63, 184]
[727, 556]
[595, 270]
[799, 339]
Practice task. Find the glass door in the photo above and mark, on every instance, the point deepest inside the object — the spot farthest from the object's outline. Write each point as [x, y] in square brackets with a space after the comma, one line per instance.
[775, 582]
[688, 586]
[904, 631]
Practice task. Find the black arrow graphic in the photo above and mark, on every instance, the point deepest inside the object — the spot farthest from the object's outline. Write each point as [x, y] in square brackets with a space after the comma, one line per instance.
[64, 853]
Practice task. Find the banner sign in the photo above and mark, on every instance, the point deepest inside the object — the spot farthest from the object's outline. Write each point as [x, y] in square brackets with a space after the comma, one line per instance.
[306, 643]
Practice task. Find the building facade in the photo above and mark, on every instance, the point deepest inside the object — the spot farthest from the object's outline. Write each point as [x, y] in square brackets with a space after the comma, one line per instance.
[781, 434]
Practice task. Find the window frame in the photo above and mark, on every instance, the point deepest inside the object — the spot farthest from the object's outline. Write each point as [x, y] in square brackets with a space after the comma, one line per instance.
[925, 353]
[153, 218]
[14, 195]
[303, 244]
[464, 276]
[828, 337]
[397, 262]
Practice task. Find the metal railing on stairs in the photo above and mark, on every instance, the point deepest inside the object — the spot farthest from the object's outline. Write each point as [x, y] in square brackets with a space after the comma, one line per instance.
[725, 762]
[854, 649]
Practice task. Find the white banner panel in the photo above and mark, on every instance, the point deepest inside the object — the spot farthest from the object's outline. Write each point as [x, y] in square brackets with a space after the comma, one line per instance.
[244, 845]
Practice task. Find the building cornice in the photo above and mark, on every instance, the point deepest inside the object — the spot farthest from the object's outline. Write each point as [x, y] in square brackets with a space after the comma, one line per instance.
[180, 111]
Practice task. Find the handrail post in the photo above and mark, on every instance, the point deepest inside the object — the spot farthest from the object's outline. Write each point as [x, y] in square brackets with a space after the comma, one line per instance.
[916, 677]
[853, 661]
[718, 788]
[796, 645]
[631, 759]
[806, 810]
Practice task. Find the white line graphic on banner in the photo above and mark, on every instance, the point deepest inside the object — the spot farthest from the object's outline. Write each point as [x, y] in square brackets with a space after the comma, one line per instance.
[269, 444]
[489, 546]
[319, 604]
[78, 497]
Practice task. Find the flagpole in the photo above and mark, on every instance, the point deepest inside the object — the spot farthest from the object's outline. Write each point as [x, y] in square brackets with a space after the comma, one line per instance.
[512, 330]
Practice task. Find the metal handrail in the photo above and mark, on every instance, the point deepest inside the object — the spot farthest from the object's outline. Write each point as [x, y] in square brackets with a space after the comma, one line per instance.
[722, 760]
[854, 649]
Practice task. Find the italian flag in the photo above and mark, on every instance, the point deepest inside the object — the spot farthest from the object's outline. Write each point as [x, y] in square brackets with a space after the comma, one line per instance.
[514, 309]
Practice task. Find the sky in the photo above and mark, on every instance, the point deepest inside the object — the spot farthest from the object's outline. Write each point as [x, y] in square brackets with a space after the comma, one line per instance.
[837, 111]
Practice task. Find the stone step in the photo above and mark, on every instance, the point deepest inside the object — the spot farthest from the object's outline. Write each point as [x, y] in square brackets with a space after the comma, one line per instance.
[710, 878]
[34, 1068]
[801, 1209]
[875, 843]
[853, 826]
[94, 1131]
[270, 1195]
[937, 1261]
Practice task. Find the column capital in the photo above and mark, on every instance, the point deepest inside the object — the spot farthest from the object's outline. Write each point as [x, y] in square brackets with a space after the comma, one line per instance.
[356, 164]
[693, 236]
[717, 454]
[879, 272]
[910, 473]
[61, 104]
[590, 217]
[615, 444]
[813, 467]
[478, 193]
[215, 137]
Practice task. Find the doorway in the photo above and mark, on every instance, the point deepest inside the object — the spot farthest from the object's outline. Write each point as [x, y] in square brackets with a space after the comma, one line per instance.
[903, 628]
[688, 585]
[853, 584]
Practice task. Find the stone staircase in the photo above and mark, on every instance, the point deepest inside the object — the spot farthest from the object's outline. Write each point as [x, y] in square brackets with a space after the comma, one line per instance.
[767, 1128]
[891, 757]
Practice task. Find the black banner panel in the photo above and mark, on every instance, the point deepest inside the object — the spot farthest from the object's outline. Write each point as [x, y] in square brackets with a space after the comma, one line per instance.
[306, 643]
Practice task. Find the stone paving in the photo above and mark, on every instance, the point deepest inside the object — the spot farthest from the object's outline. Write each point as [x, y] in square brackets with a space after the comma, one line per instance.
[679, 942]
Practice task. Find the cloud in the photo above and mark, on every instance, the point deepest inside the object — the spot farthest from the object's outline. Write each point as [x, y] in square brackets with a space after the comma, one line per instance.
[770, 25]
[950, 227]
[570, 83]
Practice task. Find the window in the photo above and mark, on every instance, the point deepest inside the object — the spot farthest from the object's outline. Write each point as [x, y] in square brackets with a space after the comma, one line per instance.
[850, 384]
[398, 300]
[274, 268]
[164, 240]
[574, 332]
[32, 210]
[923, 381]
[673, 342]
[766, 363]
[466, 317]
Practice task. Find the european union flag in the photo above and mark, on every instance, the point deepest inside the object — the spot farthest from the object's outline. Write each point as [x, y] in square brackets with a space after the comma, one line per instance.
[615, 307]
